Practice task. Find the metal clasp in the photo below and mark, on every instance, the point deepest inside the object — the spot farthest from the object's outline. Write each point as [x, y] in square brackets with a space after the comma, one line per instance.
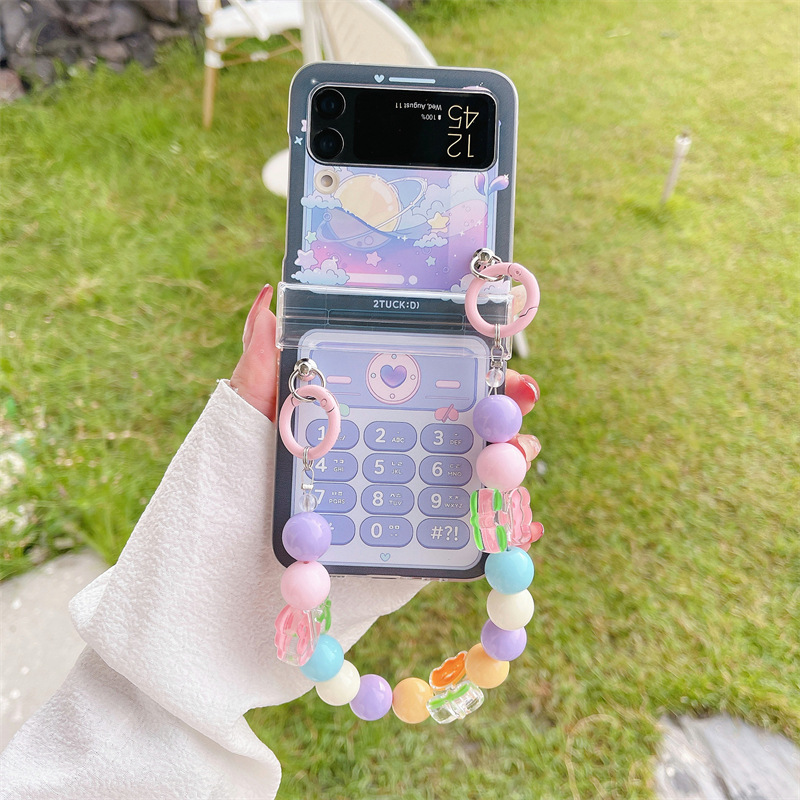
[480, 260]
[305, 369]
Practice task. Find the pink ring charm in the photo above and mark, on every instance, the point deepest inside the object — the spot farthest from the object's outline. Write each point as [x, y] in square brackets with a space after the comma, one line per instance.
[518, 273]
[329, 405]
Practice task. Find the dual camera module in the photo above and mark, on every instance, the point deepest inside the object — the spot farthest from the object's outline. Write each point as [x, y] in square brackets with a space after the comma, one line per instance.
[328, 105]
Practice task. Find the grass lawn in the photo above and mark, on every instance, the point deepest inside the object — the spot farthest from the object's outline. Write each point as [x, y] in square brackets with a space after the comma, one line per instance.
[666, 346]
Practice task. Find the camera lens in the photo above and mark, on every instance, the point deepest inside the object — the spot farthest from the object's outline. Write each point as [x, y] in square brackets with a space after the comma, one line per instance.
[327, 144]
[329, 103]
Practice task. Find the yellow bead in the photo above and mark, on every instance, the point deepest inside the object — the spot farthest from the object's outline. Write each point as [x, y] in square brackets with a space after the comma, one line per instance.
[483, 670]
[409, 700]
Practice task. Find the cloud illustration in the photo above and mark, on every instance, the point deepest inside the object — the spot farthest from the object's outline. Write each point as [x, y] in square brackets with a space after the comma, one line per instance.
[327, 274]
[431, 240]
[492, 287]
[318, 201]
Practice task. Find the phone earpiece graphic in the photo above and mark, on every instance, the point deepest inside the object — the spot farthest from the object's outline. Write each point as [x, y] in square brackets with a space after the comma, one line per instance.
[393, 378]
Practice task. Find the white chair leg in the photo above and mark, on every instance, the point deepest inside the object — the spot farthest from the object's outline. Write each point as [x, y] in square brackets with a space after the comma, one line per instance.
[213, 63]
[521, 348]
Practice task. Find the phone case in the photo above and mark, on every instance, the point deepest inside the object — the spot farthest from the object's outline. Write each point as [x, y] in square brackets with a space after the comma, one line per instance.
[408, 229]
[377, 263]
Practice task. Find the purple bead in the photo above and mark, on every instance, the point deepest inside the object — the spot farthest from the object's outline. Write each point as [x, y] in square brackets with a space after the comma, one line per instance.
[497, 418]
[503, 645]
[374, 698]
[306, 536]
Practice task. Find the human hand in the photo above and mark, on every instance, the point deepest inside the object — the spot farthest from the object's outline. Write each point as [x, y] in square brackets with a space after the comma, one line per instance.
[255, 377]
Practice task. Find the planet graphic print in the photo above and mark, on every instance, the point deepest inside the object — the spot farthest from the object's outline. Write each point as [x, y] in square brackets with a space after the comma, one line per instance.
[370, 208]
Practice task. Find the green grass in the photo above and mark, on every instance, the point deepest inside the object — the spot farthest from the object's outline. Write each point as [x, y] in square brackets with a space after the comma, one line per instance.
[666, 349]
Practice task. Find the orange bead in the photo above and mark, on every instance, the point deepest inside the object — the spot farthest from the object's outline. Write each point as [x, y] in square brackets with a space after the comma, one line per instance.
[483, 670]
[409, 700]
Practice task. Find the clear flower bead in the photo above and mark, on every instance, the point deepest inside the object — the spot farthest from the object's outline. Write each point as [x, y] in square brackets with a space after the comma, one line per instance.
[455, 702]
[297, 632]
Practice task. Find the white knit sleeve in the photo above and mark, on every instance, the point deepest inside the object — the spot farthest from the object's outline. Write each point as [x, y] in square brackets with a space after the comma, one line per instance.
[180, 637]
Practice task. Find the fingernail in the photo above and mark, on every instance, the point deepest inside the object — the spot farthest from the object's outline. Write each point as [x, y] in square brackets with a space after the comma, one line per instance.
[263, 300]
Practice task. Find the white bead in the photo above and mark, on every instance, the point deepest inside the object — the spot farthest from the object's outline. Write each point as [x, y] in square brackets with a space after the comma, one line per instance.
[342, 687]
[510, 611]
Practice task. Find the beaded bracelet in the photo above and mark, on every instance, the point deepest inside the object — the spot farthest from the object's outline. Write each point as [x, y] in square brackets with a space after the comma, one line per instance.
[501, 522]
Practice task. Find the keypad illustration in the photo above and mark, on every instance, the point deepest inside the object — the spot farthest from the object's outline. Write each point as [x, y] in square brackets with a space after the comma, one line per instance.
[396, 485]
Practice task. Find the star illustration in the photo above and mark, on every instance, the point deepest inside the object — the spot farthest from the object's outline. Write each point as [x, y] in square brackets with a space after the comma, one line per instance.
[438, 222]
[404, 238]
[373, 258]
[305, 259]
[298, 140]
[311, 237]
[430, 261]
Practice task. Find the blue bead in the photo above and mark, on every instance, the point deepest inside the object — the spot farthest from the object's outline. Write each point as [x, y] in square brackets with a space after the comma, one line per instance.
[326, 660]
[510, 571]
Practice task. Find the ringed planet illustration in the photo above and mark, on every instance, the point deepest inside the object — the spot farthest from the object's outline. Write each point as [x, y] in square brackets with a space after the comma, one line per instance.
[371, 208]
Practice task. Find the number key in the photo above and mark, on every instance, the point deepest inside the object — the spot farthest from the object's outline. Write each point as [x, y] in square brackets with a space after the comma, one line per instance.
[343, 529]
[386, 531]
[399, 437]
[336, 467]
[439, 438]
[442, 534]
[348, 434]
[445, 471]
[387, 499]
[443, 502]
[387, 468]
[336, 497]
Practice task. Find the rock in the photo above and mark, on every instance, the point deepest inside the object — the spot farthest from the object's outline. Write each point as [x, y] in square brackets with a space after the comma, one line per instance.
[33, 69]
[13, 21]
[53, 35]
[34, 33]
[102, 23]
[162, 32]
[125, 20]
[189, 11]
[142, 48]
[11, 87]
[88, 50]
[719, 758]
[162, 10]
[57, 38]
[113, 51]
[73, 6]
[89, 15]
[56, 47]
[115, 66]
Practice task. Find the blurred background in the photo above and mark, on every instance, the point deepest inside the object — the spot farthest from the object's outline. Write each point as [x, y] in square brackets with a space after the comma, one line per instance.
[668, 581]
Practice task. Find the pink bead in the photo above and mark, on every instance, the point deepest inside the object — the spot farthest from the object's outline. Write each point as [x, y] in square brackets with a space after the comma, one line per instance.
[501, 466]
[305, 584]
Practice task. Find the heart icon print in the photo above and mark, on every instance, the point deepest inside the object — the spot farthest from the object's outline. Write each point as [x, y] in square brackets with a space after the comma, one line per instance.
[393, 376]
[379, 78]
